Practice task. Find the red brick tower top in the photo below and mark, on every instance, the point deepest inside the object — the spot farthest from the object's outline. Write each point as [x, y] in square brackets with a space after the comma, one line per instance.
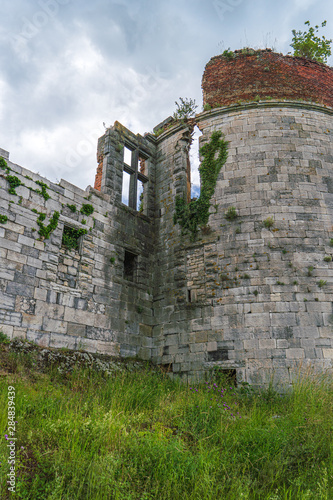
[248, 75]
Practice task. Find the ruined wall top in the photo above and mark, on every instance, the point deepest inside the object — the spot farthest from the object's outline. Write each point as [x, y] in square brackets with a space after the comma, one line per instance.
[249, 75]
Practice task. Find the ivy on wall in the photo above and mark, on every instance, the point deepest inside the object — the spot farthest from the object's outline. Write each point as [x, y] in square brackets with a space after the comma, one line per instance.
[196, 213]
[70, 237]
[45, 231]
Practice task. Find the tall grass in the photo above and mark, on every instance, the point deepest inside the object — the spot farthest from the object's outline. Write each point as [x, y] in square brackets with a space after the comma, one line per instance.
[142, 436]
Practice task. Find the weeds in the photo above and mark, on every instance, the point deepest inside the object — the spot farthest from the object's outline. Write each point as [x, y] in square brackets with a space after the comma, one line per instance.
[231, 214]
[268, 223]
[140, 436]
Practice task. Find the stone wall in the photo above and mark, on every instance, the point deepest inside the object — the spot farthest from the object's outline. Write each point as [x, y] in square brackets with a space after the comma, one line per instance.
[248, 75]
[82, 298]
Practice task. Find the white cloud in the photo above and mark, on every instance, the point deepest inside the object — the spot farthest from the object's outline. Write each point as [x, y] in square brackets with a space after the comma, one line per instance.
[95, 62]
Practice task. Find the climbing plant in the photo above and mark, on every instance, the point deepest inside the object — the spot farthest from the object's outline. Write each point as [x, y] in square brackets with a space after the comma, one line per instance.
[14, 182]
[43, 191]
[45, 231]
[196, 213]
[87, 209]
[3, 165]
[70, 237]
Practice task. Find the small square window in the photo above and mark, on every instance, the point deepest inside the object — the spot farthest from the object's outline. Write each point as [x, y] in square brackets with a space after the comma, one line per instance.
[72, 238]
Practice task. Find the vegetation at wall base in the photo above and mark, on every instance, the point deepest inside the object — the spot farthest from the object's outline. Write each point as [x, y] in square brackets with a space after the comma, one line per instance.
[196, 213]
[139, 435]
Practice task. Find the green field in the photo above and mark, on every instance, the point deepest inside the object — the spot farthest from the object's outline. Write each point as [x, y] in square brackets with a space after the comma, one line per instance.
[139, 435]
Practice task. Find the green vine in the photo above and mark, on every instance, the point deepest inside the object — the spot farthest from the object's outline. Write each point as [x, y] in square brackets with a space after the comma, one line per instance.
[4, 166]
[87, 209]
[43, 191]
[70, 237]
[14, 182]
[72, 208]
[45, 231]
[3, 219]
[196, 213]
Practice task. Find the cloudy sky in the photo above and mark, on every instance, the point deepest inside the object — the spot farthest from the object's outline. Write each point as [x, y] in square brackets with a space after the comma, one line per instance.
[67, 66]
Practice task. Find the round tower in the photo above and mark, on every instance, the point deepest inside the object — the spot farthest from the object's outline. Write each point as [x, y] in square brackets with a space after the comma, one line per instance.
[273, 293]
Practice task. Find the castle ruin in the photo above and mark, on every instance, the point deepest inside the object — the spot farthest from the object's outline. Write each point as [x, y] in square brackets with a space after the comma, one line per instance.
[251, 293]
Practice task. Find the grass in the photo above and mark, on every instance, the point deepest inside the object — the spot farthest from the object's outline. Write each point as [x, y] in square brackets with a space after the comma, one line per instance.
[142, 436]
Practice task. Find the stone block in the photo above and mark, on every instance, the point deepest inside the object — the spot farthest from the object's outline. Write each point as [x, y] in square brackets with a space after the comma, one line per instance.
[76, 330]
[40, 338]
[211, 346]
[295, 353]
[55, 326]
[109, 348]
[257, 320]
[198, 347]
[267, 343]
[283, 319]
[250, 344]
[58, 340]
[19, 333]
[328, 353]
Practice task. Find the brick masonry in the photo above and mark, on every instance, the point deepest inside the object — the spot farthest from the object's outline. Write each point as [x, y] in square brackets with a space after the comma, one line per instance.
[242, 296]
[265, 74]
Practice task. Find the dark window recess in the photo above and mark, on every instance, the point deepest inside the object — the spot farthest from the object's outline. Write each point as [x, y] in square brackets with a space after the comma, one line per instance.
[219, 355]
[225, 375]
[130, 263]
[191, 295]
[167, 368]
[71, 238]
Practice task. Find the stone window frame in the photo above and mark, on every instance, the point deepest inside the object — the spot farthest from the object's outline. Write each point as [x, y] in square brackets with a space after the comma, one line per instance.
[135, 175]
[73, 225]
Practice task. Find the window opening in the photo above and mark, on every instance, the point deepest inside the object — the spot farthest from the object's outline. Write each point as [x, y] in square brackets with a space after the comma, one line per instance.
[225, 375]
[143, 165]
[72, 238]
[140, 196]
[127, 156]
[125, 188]
[195, 163]
[135, 171]
[130, 264]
